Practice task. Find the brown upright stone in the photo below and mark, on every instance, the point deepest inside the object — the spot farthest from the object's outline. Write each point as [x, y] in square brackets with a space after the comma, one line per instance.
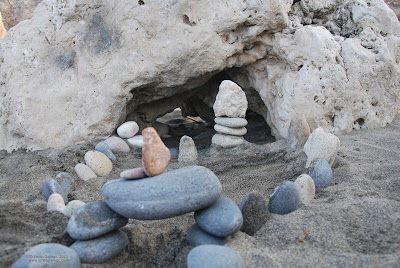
[155, 155]
[298, 132]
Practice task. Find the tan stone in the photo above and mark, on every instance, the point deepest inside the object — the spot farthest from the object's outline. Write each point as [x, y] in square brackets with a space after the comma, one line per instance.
[298, 132]
[98, 162]
[3, 30]
[155, 155]
[56, 203]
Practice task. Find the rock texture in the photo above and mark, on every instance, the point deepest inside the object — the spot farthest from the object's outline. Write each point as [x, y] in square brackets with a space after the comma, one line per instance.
[3, 30]
[15, 11]
[114, 62]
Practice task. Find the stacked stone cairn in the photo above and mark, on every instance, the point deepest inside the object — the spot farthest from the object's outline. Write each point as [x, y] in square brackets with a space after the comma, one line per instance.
[230, 108]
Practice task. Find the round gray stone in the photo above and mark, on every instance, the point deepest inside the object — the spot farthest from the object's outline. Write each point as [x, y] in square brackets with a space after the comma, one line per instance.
[66, 181]
[187, 152]
[196, 237]
[51, 186]
[231, 121]
[102, 147]
[255, 213]
[321, 173]
[163, 196]
[284, 199]
[222, 219]
[49, 255]
[227, 141]
[92, 220]
[207, 256]
[230, 130]
[102, 248]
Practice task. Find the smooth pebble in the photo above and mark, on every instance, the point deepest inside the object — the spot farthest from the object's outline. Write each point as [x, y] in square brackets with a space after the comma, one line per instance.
[196, 237]
[234, 122]
[43, 255]
[56, 203]
[84, 172]
[136, 141]
[230, 101]
[255, 213]
[174, 152]
[73, 206]
[101, 249]
[187, 151]
[51, 186]
[306, 187]
[230, 131]
[135, 173]
[155, 155]
[128, 129]
[102, 147]
[227, 141]
[214, 256]
[92, 220]
[117, 145]
[98, 162]
[167, 195]
[66, 181]
[223, 218]
[284, 199]
[321, 173]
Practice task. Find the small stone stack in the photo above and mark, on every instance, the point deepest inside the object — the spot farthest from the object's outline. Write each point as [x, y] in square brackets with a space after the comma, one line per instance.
[230, 109]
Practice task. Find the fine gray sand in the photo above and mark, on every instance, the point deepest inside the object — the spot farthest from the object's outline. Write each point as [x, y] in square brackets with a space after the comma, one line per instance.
[353, 223]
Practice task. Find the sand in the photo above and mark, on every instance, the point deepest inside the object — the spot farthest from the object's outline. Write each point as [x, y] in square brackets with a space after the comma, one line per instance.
[353, 223]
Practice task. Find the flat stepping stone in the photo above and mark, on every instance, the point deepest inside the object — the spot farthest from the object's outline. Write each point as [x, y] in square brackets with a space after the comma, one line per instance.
[155, 155]
[102, 147]
[51, 186]
[73, 206]
[321, 173]
[93, 220]
[187, 151]
[214, 256]
[84, 172]
[101, 249]
[66, 181]
[136, 141]
[128, 129]
[230, 131]
[135, 173]
[167, 195]
[284, 199]
[230, 101]
[49, 255]
[221, 219]
[234, 122]
[98, 162]
[227, 141]
[56, 203]
[255, 213]
[196, 237]
[306, 187]
[117, 145]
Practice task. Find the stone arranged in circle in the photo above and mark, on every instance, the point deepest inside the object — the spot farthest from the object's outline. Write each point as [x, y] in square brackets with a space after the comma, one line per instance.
[196, 237]
[221, 219]
[56, 203]
[174, 152]
[187, 151]
[135, 173]
[321, 145]
[214, 256]
[298, 132]
[102, 147]
[51, 186]
[66, 181]
[128, 129]
[155, 155]
[321, 173]
[98, 162]
[117, 145]
[43, 255]
[284, 199]
[230, 131]
[255, 213]
[227, 141]
[167, 195]
[92, 220]
[73, 206]
[84, 172]
[234, 122]
[230, 101]
[101, 249]
[306, 187]
[136, 141]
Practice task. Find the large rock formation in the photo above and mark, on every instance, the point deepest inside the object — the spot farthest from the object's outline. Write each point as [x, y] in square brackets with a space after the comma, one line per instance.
[78, 69]
[14, 11]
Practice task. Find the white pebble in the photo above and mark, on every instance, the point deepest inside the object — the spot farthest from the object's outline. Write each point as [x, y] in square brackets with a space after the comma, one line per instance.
[128, 129]
[72, 207]
[84, 172]
[306, 187]
[136, 141]
[56, 203]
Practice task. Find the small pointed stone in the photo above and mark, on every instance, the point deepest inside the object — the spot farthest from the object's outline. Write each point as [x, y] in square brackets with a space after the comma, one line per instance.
[135, 173]
[298, 132]
[56, 203]
[187, 151]
[155, 155]
[102, 147]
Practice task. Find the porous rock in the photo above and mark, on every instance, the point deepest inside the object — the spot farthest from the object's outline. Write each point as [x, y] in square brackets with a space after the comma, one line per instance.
[92, 220]
[214, 256]
[227, 141]
[101, 249]
[231, 100]
[321, 145]
[255, 213]
[155, 155]
[187, 151]
[196, 237]
[98, 162]
[84, 172]
[173, 193]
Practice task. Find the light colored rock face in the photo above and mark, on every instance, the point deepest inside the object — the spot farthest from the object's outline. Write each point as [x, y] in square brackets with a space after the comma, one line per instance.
[230, 101]
[78, 69]
[14, 11]
[3, 30]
